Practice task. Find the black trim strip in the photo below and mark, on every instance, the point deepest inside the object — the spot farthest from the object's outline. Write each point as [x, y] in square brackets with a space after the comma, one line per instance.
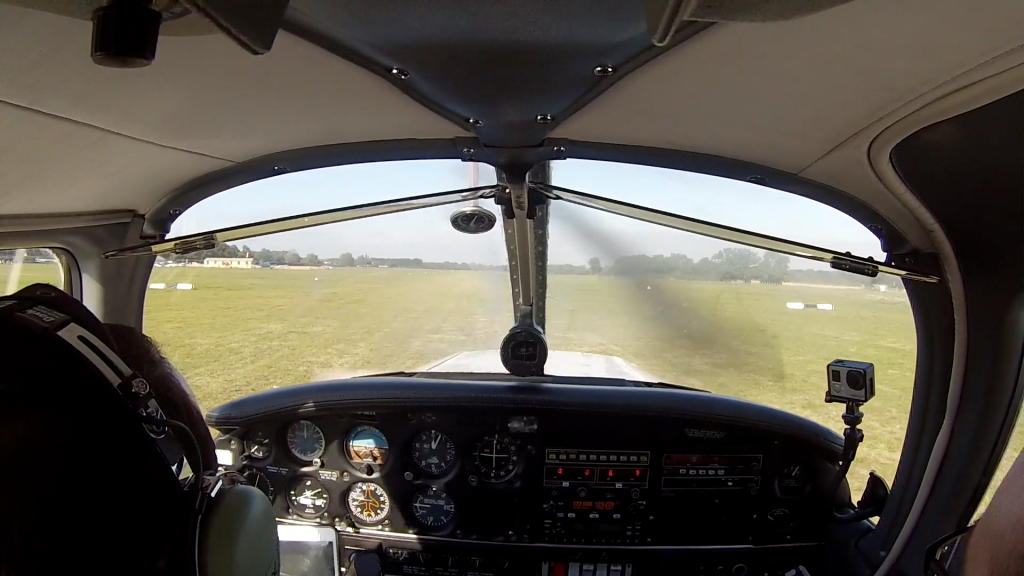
[163, 214]
[389, 393]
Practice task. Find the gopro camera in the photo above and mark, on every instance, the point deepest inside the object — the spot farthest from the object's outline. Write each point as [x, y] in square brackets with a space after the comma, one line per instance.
[850, 381]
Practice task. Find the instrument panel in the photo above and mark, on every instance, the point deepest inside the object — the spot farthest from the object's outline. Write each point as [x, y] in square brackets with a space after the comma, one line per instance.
[535, 476]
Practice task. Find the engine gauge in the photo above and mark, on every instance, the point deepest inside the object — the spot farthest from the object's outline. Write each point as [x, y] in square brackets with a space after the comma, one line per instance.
[260, 481]
[257, 444]
[432, 507]
[793, 481]
[496, 457]
[366, 445]
[433, 452]
[308, 498]
[368, 503]
[306, 440]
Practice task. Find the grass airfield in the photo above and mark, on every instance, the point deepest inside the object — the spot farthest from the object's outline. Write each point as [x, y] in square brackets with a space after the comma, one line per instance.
[242, 331]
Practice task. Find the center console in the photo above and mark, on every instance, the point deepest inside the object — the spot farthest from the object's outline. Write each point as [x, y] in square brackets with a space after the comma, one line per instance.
[596, 496]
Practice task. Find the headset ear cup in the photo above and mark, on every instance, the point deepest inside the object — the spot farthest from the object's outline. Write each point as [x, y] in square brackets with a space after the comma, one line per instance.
[65, 304]
[238, 535]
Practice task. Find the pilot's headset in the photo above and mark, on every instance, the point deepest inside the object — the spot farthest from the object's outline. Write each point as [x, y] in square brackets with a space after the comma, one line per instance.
[233, 531]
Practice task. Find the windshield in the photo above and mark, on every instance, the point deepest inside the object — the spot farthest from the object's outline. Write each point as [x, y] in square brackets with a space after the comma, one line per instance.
[624, 299]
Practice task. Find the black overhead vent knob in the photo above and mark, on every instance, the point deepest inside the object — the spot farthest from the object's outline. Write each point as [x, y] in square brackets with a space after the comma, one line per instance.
[125, 33]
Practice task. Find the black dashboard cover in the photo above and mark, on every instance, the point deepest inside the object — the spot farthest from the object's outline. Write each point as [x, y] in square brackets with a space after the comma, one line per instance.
[383, 392]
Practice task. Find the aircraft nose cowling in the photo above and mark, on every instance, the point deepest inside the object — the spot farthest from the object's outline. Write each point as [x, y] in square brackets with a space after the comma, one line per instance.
[558, 364]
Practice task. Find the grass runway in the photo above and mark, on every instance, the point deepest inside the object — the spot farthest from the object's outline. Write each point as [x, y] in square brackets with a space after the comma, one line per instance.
[242, 331]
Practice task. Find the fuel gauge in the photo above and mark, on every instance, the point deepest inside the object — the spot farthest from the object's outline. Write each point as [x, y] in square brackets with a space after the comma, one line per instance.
[257, 443]
[793, 481]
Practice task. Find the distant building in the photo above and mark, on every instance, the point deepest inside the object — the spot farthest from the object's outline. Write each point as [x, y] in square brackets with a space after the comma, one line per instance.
[227, 263]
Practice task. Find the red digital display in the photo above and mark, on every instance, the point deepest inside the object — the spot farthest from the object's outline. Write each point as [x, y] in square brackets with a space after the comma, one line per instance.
[623, 475]
[569, 474]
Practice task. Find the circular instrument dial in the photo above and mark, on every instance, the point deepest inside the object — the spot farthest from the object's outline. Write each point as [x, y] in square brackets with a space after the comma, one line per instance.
[473, 220]
[433, 452]
[496, 457]
[260, 481]
[368, 503]
[366, 445]
[793, 481]
[308, 498]
[433, 508]
[257, 443]
[306, 440]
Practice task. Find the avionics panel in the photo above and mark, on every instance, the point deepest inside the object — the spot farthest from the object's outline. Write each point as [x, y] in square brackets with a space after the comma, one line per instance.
[710, 471]
[596, 468]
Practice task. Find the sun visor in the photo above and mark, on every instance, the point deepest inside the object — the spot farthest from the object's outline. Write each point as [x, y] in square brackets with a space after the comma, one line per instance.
[665, 16]
[252, 25]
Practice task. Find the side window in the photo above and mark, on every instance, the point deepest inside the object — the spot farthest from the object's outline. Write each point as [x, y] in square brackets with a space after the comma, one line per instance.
[26, 266]
[1013, 449]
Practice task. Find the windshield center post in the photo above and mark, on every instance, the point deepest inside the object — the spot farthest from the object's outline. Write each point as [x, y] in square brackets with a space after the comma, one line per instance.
[524, 220]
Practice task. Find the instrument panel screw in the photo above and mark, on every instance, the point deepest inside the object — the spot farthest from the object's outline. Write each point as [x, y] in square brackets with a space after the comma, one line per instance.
[472, 480]
[408, 476]
[468, 151]
[544, 118]
[559, 149]
[475, 122]
[345, 476]
[399, 73]
[603, 70]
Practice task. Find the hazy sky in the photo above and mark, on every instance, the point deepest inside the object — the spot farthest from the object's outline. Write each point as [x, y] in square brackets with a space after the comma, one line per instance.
[576, 233]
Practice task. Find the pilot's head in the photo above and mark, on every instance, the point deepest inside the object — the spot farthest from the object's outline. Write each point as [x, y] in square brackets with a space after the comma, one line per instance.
[89, 477]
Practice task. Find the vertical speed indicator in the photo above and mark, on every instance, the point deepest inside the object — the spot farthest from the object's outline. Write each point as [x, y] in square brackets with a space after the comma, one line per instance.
[433, 508]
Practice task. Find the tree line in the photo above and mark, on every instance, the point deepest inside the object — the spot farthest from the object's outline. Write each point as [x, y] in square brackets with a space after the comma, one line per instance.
[728, 265]
[734, 265]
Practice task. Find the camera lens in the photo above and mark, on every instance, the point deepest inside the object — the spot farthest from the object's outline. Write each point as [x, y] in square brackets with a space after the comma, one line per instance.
[855, 380]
